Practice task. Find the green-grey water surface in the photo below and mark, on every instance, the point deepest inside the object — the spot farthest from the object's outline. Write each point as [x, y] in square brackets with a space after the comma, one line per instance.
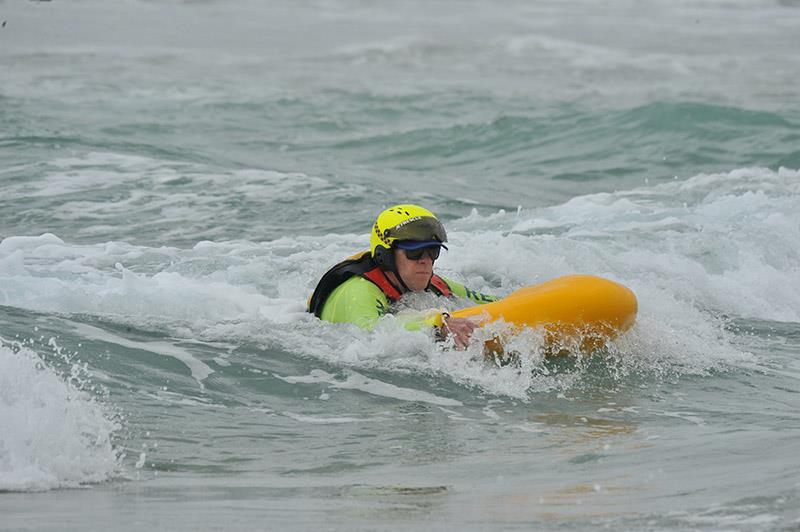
[175, 177]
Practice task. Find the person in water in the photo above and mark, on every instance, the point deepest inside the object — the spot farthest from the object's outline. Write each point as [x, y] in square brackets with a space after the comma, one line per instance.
[405, 242]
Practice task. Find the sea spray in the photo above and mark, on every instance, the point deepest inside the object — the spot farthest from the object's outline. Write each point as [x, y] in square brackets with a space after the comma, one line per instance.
[53, 433]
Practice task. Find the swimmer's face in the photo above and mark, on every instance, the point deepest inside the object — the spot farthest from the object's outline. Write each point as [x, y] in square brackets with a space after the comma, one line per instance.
[415, 273]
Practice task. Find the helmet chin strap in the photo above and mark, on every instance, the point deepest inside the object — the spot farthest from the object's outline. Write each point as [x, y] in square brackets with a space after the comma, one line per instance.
[399, 277]
[392, 267]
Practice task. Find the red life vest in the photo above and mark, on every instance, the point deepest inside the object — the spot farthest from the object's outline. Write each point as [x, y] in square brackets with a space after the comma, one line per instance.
[362, 264]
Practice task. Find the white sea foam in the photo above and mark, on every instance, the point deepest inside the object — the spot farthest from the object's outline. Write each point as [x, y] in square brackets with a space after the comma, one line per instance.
[324, 420]
[199, 370]
[355, 381]
[100, 192]
[100, 170]
[693, 251]
[591, 56]
[57, 277]
[51, 434]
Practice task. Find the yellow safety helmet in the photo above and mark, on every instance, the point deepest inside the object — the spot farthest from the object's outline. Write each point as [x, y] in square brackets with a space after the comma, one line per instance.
[403, 223]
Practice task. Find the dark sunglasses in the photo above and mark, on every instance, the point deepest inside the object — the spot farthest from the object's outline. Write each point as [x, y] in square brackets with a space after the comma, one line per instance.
[416, 254]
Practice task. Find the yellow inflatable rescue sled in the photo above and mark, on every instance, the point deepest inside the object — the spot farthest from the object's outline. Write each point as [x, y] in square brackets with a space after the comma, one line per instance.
[586, 307]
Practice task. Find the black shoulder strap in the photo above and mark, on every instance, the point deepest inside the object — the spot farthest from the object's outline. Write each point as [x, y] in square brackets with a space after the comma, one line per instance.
[350, 267]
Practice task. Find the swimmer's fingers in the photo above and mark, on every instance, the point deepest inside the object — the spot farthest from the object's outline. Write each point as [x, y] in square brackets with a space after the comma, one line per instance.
[460, 329]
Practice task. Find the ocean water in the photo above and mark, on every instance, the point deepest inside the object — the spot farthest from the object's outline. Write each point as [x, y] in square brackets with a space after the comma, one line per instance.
[176, 175]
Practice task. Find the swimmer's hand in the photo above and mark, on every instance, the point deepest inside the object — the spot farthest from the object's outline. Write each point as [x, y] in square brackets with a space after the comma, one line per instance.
[459, 328]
